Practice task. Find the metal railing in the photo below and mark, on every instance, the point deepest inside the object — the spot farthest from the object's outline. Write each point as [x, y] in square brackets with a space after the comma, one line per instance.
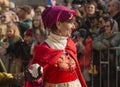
[107, 62]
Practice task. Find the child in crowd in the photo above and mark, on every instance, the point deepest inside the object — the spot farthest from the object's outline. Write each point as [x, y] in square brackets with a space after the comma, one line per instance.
[28, 40]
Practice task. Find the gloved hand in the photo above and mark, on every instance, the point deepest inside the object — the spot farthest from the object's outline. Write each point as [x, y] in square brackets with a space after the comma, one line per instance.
[33, 72]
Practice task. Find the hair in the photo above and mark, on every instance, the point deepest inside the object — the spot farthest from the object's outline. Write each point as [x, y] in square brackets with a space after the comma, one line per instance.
[117, 4]
[111, 22]
[92, 3]
[4, 3]
[3, 28]
[41, 25]
[6, 12]
[79, 21]
[106, 16]
[27, 8]
[16, 36]
[83, 33]
[54, 28]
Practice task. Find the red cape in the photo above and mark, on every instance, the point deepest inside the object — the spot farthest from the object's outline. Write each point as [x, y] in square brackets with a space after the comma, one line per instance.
[46, 56]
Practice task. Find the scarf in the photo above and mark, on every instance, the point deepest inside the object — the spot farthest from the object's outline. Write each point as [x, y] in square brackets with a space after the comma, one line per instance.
[56, 41]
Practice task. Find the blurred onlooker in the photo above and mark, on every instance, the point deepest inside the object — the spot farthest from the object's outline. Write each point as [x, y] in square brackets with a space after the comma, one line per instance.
[84, 47]
[39, 10]
[12, 37]
[101, 44]
[114, 10]
[107, 38]
[39, 32]
[94, 26]
[4, 4]
[79, 6]
[3, 30]
[90, 13]
[6, 17]
[25, 15]
[12, 6]
[26, 47]
[38, 24]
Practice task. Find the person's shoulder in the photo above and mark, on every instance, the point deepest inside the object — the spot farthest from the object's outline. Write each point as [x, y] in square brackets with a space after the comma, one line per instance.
[42, 45]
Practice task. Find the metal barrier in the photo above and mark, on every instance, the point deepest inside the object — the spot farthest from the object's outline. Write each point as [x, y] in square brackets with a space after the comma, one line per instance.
[117, 66]
[107, 62]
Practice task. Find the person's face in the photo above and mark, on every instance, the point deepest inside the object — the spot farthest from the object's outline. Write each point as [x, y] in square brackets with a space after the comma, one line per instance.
[5, 17]
[65, 28]
[36, 22]
[21, 14]
[37, 35]
[10, 32]
[107, 27]
[90, 9]
[101, 22]
[111, 7]
[28, 39]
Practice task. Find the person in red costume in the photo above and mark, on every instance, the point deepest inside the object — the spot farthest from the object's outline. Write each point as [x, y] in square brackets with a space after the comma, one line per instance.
[57, 55]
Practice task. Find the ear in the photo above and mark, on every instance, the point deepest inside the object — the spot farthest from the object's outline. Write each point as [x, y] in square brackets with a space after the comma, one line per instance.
[58, 25]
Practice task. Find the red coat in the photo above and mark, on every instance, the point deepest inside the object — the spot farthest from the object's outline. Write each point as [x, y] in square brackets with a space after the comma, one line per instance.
[84, 59]
[47, 58]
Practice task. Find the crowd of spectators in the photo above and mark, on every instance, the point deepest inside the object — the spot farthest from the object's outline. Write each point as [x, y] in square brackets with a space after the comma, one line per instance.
[97, 27]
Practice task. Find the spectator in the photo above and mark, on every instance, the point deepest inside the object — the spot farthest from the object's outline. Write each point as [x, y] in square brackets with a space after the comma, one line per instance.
[114, 9]
[12, 37]
[91, 8]
[84, 48]
[108, 38]
[6, 17]
[25, 15]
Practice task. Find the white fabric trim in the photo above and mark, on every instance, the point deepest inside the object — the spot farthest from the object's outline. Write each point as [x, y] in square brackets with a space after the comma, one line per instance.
[56, 41]
[75, 83]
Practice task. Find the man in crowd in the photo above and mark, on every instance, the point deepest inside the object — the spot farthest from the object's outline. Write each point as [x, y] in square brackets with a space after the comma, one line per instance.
[114, 10]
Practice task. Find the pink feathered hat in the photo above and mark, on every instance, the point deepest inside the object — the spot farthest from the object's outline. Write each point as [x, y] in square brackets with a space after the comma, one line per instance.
[56, 13]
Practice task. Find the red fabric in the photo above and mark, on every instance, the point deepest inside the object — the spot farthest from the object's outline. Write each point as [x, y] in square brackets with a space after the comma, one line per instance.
[48, 57]
[84, 59]
[37, 83]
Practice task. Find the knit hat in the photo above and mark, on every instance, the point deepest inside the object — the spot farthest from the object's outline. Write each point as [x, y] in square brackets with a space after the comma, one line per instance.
[56, 13]
[28, 32]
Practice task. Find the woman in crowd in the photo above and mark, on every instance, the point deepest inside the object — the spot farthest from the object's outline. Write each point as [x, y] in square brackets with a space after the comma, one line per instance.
[12, 37]
[102, 43]
[108, 38]
[39, 32]
[57, 55]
